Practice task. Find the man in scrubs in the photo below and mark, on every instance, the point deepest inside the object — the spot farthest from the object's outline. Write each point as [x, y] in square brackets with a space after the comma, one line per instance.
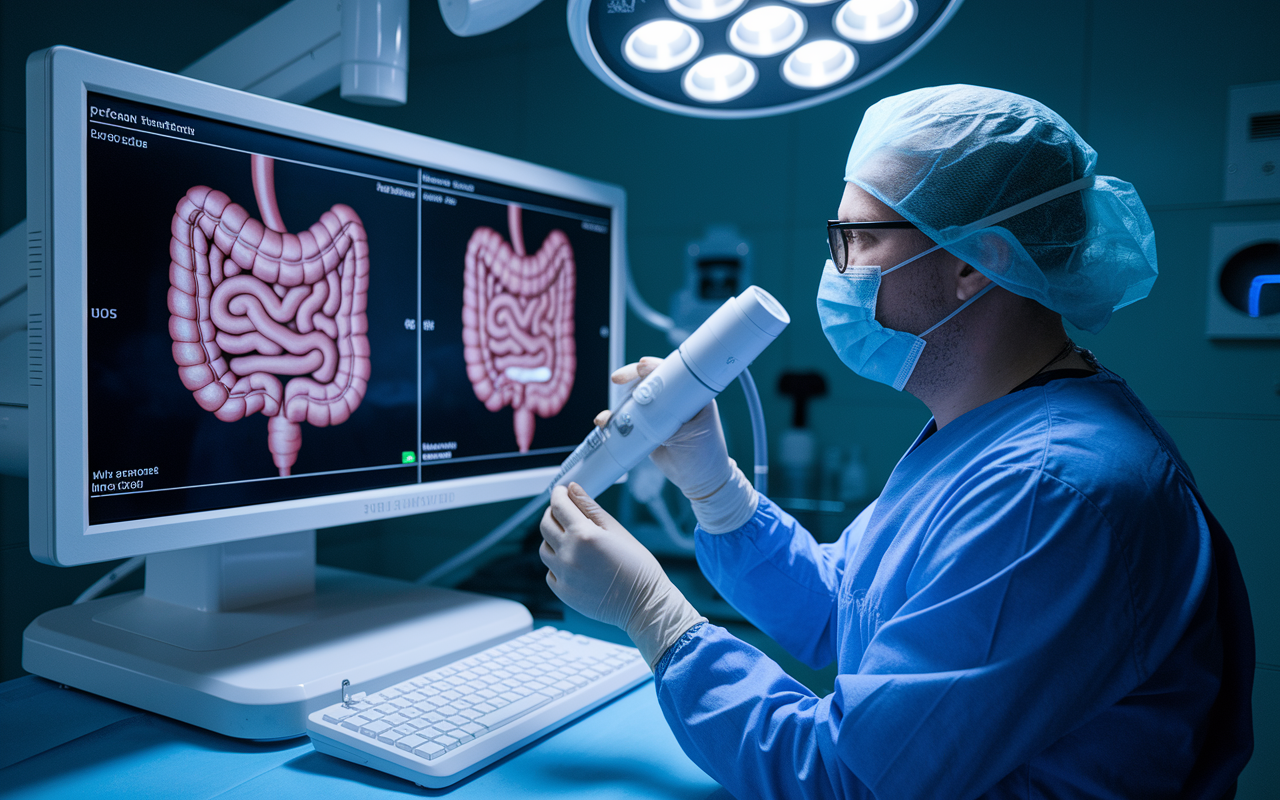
[1039, 604]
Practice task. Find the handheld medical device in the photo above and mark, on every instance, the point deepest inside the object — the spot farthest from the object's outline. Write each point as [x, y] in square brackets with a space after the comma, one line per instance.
[698, 370]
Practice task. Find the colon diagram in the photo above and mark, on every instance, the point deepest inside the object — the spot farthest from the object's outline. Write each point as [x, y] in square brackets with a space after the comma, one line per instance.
[518, 323]
[266, 321]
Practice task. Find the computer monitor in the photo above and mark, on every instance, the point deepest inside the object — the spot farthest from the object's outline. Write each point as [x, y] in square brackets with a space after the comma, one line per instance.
[251, 319]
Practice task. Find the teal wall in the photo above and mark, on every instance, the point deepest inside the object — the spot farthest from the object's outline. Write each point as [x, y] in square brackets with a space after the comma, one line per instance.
[1144, 82]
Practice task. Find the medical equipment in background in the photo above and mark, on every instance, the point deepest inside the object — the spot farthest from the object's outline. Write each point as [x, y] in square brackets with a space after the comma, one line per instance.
[797, 445]
[735, 59]
[689, 378]
[1253, 143]
[844, 477]
[1243, 289]
[716, 267]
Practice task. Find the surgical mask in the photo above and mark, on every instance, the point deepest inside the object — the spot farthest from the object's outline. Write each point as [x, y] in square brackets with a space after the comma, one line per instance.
[847, 307]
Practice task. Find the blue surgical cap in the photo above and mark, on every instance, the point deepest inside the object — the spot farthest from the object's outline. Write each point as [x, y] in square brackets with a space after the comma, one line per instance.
[951, 156]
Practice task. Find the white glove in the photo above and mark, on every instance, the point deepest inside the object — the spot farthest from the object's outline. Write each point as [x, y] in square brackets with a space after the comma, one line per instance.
[598, 569]
[697, 461]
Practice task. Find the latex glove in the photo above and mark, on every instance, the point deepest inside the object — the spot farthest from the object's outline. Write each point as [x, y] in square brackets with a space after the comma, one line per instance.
[697, 461]
[598, 569]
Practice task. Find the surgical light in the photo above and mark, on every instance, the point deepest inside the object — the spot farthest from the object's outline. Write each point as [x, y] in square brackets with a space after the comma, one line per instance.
[698, 10]
[766, 31]
[720, 78]
[818, 64]
[734, 59]
[874, 20]
[662, 45]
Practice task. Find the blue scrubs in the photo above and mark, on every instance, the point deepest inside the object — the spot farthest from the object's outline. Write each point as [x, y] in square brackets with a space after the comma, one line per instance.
[1039, 604]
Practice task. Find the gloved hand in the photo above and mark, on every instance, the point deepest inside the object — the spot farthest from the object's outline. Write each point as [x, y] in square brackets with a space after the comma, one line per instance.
[597, 568]
[697, 461]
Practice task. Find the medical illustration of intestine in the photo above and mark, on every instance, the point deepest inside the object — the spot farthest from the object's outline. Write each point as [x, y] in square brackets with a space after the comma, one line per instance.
[252, 305]
[517, 320]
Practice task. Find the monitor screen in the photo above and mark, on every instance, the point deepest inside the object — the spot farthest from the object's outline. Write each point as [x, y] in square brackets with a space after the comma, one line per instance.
[275, 311]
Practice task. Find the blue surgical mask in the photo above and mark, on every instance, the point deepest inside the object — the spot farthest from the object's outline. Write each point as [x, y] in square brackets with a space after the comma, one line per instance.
[847, 310]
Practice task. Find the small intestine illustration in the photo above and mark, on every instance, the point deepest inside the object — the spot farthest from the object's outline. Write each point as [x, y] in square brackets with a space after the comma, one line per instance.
[517, 322]
[252, 305]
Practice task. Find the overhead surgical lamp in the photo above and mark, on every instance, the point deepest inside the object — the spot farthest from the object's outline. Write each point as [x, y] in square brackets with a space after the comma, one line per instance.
[733, 59]
[730, 59]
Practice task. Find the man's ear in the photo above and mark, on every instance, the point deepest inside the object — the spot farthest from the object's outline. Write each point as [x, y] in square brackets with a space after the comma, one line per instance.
[994, 254]
[969, 282]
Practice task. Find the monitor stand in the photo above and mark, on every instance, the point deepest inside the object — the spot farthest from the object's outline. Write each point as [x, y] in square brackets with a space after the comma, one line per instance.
[248, 638]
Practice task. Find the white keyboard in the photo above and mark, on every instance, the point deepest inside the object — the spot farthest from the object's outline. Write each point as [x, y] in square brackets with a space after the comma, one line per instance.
[443, 725]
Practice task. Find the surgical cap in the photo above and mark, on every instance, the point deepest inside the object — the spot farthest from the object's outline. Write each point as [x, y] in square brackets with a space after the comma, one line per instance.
[949, 156]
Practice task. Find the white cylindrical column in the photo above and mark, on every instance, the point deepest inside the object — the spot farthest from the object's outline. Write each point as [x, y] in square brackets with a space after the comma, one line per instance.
[375, 51]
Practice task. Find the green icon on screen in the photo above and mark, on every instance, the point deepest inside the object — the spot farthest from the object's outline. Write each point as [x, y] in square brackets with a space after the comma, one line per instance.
[407, 457]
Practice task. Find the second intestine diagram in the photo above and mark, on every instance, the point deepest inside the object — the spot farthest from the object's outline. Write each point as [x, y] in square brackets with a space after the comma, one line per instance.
[269, 322]
[518, 323]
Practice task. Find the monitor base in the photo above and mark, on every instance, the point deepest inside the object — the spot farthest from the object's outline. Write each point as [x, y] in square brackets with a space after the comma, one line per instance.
[257, 672]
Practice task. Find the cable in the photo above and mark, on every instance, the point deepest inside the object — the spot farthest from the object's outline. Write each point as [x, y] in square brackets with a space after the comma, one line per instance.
[111, 579]
[759, 440]
[652, 317]
[490, 540]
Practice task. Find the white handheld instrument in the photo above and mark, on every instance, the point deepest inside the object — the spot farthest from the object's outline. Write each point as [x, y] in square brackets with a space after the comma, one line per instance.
[698, 370]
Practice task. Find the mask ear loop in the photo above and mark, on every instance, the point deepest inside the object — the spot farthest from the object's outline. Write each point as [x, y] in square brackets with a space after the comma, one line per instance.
[962, 307]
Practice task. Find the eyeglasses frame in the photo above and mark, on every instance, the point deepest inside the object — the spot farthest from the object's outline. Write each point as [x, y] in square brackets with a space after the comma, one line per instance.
[833, 225]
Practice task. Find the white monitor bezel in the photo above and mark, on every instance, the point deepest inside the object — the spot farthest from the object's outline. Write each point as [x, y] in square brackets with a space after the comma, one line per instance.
[58, 82]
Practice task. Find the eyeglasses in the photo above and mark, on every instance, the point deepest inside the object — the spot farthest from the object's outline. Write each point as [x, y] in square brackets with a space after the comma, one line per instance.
[838, 237]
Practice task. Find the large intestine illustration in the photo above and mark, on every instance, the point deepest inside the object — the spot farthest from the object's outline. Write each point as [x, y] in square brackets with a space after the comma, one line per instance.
[518, 323]
[252, 305]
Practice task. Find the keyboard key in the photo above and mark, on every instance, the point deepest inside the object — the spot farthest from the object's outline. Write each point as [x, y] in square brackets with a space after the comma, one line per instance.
[374, 728]
[446, 741]
[515, 710]
[408, 743]
[429, 750]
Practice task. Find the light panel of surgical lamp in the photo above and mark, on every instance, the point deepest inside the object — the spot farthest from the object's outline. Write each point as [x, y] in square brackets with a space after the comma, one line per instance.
[734, 59]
